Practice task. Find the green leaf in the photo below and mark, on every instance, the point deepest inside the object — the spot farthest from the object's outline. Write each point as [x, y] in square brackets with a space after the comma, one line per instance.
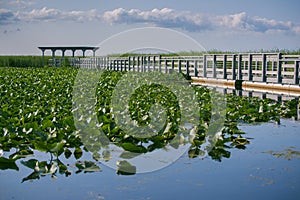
[59, 148]
[78, 153]
[87, 166]
[32, 163]
[68, 153]
[62, 167]
[32, 176]
[129, 155]
[41, 146]
[134, 148]
[125, 168]
[106, 155]
[34, 125]
[8, 164]
[47, 124]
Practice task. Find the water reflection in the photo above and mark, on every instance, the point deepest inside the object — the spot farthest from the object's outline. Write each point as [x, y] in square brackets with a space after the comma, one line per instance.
[288, 154]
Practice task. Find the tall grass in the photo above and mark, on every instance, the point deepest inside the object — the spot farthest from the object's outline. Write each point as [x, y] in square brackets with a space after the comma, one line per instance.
[28, 61]
[212, 51]
[21, 61]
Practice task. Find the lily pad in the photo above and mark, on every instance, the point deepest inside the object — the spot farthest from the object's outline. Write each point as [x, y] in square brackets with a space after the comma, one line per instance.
[125, 168]
[87, 166]
[6, 163]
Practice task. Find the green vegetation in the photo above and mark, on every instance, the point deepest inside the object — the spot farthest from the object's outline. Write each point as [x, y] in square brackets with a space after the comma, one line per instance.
[29, 61]
[21, 61]
[36, 115]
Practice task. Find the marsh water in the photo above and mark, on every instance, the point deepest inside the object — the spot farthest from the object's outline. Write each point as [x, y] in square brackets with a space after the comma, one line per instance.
[266, 167]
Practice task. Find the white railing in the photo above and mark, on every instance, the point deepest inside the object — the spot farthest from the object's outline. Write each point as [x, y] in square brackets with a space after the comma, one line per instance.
[257, 67]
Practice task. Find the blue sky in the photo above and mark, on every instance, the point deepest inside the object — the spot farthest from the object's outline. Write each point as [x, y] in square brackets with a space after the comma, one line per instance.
[238, 25]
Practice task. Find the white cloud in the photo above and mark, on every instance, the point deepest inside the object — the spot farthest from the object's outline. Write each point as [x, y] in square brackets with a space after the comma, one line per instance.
[48, 14]
[243, 22]
[164, 17]
[196, 22]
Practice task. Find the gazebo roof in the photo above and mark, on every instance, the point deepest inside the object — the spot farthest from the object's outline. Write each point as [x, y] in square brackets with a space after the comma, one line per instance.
[64, 48]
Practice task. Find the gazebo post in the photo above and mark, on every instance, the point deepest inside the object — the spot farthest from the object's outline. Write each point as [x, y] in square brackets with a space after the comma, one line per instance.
[53, 57]
[43, 57]
[63, 56]
[65, 48]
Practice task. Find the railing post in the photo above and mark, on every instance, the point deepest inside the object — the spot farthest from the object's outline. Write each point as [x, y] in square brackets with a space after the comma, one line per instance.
[214, 65]
[96, 62]
[143, 64]
[133, 63]
[129, 63]
[107, 63]
[159, 63]
[296, 72]
[264, 67]
[173, 65]
[240, 75]
[179, 65]
[115, 65]
[110, 64]
[166, 66]
[119, 65]
[154, 63]
[187, 63]
[196, 68]
[225, 67]
[233, 67]
[250, 75]
[103, 63]
[279, 68]
[125, 65]
[100, 61]
[138, 63]
[149, 62]
[204, 66]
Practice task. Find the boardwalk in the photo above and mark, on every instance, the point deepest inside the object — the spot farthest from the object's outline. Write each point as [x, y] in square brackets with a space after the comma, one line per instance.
[269, 70]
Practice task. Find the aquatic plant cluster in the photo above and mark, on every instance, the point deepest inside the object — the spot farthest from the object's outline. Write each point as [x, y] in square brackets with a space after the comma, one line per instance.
[36, 115]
